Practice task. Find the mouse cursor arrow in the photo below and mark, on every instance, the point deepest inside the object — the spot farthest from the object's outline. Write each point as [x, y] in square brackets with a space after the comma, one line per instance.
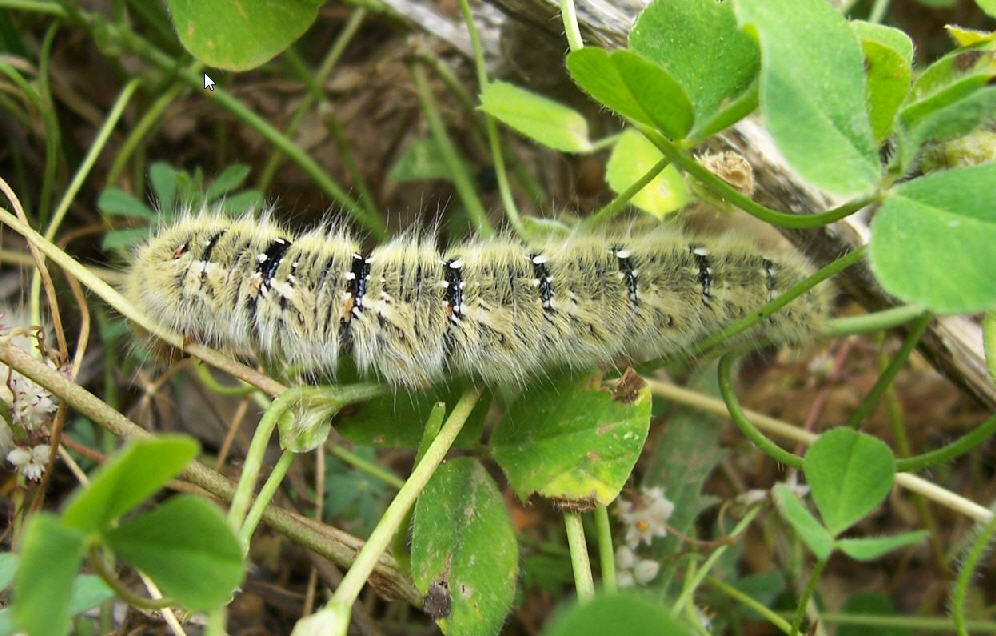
[208, 82]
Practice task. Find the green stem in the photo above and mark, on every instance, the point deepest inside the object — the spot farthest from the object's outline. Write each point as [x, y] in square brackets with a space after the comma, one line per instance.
[740, 418]
[960, 446]
[606, 553]
[314, 83]
[77, 182]
[142, 128]
[363, 465]
[35, 6]
[989, 341]
[875, 321]
[616, 205]
[351, 584]
[134, 43]
[728, 193]
[209, 381]
[265, 496]
[910, 623]
[571, 30]
[120, 589]
[583, 580]
[878, 11]
[693, 582]
[44, 88]
[498, 161]
[790, 294]
[461, 179]
[50, 128]
[800, 611]
[750, 602]
[885, 379]
[257, 449]
[91, 156]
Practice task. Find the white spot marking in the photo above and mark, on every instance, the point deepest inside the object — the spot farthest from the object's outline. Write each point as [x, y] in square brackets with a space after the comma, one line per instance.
[539, 259]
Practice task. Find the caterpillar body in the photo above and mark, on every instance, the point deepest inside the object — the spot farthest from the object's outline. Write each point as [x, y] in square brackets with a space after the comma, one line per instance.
[496, 309]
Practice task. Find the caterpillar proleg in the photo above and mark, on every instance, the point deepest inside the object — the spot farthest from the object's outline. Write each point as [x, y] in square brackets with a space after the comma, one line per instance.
[496, 309]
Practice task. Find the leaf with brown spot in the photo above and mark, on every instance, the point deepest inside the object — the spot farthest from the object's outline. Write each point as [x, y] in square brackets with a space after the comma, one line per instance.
[464, 556]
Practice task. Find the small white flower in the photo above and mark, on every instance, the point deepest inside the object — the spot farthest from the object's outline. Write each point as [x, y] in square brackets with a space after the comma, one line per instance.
[30, 462]
[645, 571]
[799, 490]
[625, 558]
[704, 619]
[822, 365]
[646, 518]
[625, 579]
[752, 496]
[32, 405]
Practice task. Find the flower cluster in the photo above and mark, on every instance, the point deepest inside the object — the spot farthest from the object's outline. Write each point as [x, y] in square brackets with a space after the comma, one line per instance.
[30, 461]
[632, 570]
[30, 407]
[645, 516]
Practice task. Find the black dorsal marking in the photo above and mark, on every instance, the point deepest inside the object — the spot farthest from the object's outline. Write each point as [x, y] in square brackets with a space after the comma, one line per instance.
[769, 278]
[542, 280]
[454, 289]
[626, 268]
[358, 276]
[268, 261]
[206, 254]
[701, 255]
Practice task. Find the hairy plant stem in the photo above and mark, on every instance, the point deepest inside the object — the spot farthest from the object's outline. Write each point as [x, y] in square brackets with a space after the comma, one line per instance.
[354, 580]
[968, 565]
[461, 179]
[571, 31]
[728, 193]
[807, 593]
[868, 403]
[606, 553]
[583, 581]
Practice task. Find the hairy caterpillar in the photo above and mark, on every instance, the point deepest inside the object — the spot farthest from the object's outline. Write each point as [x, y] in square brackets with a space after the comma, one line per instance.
[495, 309]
